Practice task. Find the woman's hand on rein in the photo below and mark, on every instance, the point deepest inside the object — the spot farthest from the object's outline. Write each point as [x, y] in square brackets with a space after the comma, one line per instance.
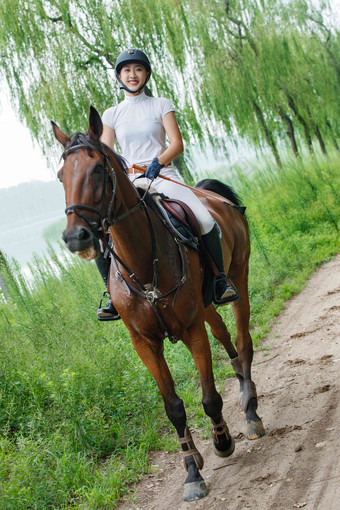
[152, 170]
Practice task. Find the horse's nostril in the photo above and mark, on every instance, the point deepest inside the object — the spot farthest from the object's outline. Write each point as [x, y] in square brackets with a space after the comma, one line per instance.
[83, 234]
[78, 236]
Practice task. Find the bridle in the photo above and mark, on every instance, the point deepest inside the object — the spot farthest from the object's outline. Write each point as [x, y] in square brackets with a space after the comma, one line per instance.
[106, 220]
[110, 177]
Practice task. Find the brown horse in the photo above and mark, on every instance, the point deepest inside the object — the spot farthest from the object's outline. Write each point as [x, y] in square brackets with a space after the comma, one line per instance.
[157, 286]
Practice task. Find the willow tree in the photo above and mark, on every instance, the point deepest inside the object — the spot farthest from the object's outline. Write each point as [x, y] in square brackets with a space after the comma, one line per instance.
[58, 58]
[217, 61]
[267, 70]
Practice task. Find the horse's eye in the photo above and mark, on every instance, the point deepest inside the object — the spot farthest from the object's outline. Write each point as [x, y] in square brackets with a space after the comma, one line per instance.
[60, 175]
[98, 170]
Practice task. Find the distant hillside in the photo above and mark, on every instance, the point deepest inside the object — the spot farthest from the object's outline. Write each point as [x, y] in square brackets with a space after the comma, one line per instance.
[30, 200]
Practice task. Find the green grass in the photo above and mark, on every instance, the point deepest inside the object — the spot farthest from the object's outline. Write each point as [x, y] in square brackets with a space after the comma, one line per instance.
[78, 410]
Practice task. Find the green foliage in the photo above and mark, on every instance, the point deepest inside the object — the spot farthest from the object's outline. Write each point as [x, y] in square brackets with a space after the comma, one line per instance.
[294, 226]
[78, 410]
[73, 393]
[258, 70]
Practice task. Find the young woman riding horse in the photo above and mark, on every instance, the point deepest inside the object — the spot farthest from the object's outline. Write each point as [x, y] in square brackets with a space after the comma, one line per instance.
[149, 268]
[139, 124]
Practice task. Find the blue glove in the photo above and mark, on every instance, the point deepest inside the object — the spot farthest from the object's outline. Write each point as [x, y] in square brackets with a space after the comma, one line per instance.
[153, 169]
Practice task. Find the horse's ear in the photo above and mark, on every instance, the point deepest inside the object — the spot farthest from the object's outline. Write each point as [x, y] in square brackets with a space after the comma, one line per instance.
[95, 124]
[60, 136]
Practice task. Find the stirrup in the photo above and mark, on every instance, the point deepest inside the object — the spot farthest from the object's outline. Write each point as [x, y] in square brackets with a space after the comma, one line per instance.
[108, 313]
[234, 295]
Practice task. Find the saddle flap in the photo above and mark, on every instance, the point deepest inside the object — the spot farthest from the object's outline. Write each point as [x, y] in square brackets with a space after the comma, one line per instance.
[183, 213]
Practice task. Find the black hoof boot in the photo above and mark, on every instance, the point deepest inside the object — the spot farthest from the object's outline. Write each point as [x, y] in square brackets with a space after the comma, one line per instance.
[107, 313]
[224, 292]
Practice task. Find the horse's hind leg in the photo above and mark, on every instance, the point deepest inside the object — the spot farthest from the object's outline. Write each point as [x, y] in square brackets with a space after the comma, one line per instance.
[151, 353]
[244, 346]
[219, 331]
[196, 339]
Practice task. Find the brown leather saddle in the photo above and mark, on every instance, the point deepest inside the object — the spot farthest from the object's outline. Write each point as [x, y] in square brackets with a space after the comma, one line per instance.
[182, 212]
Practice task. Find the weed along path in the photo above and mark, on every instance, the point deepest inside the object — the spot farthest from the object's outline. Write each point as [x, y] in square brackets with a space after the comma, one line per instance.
[297, 463]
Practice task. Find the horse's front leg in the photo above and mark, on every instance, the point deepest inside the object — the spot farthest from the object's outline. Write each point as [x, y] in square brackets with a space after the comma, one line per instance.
[196, 339]
[151, 353]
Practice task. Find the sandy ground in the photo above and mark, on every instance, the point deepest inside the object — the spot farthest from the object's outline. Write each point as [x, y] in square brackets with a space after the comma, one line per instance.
[297, 463]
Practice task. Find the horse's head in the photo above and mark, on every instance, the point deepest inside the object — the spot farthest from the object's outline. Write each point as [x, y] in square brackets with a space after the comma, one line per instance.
[87, 179]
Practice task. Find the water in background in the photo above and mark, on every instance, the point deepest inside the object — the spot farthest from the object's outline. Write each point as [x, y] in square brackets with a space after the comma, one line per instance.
[22, 240]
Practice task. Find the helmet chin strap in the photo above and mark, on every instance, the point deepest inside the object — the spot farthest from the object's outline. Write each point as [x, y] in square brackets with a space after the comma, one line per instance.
[124, 87]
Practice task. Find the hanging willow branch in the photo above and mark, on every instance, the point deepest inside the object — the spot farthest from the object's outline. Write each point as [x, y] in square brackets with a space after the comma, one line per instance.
[233, 68]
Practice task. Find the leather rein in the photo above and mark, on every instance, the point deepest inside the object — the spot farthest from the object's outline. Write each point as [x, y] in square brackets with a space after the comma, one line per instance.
[105, 221]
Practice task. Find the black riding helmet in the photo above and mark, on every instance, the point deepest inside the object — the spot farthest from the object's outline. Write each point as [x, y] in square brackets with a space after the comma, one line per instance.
[132, 56]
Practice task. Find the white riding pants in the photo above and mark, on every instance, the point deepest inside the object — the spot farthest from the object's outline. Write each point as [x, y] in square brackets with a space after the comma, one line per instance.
[173, 190]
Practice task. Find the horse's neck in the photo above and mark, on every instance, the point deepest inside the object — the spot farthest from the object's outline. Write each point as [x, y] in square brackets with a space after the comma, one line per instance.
[131, 236]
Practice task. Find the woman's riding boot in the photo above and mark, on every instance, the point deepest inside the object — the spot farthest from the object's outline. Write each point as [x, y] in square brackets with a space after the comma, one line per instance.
[224, 289]
[107, 313]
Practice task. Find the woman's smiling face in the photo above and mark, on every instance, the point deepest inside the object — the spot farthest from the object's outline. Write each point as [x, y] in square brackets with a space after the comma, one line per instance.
[133, 76]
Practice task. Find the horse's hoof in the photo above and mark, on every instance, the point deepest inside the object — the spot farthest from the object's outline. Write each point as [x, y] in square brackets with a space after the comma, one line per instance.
[225, 453]
[254, 429]
[195, 490]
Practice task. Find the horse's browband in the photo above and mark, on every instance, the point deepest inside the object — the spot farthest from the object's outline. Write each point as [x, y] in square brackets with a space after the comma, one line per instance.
[84, 144]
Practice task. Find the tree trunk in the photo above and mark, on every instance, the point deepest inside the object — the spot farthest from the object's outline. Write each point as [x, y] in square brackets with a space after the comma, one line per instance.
[317, 133]
[334, 140]
[320, 139]
[267, 134]
[183, 170]
[290, 131]
[302, 121]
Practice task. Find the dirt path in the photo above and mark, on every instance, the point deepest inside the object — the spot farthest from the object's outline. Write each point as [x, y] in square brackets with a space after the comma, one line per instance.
[297, 463]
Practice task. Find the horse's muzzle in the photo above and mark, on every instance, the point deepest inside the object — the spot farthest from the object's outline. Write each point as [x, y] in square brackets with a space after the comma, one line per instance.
[80, 240]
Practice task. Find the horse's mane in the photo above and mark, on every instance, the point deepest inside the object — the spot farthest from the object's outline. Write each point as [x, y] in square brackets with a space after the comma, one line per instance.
[220, 188]
[78, 139]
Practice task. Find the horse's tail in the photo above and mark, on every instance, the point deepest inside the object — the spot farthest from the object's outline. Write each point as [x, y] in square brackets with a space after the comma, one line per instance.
[220, 188]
